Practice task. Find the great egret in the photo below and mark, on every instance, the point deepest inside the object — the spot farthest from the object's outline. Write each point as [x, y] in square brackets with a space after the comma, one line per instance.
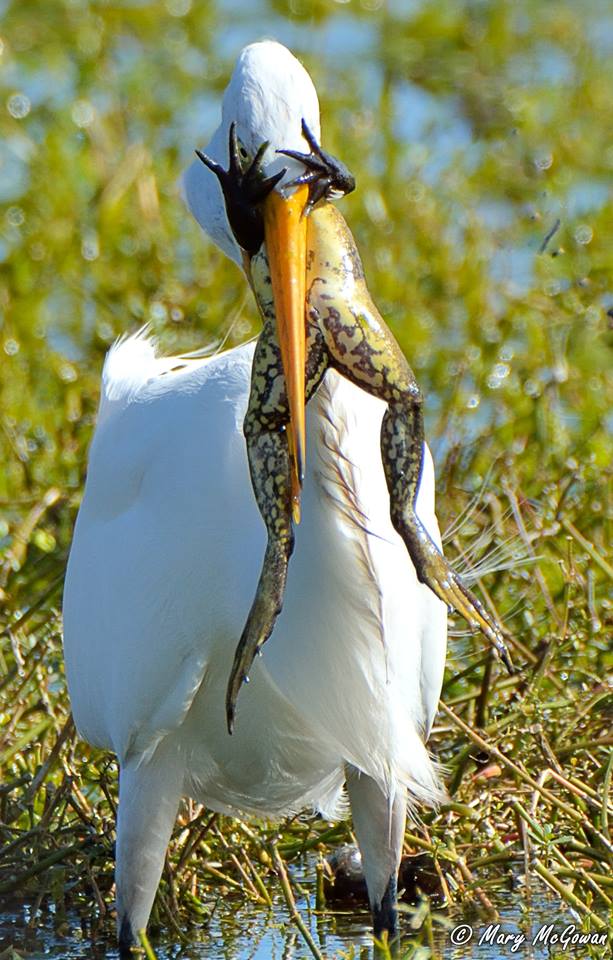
[164, 563]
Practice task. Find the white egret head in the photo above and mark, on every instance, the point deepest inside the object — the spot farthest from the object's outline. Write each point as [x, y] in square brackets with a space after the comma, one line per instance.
[268, 96]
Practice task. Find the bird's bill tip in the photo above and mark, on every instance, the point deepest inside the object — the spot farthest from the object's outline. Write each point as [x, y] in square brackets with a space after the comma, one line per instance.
[285, 233]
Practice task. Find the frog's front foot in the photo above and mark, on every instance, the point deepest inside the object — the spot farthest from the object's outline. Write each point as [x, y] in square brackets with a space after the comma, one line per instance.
[434, 570]
[244, 188]
[325, 175]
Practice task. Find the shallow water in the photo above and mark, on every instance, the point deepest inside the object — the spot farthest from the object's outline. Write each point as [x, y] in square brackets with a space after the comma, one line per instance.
[525, 929]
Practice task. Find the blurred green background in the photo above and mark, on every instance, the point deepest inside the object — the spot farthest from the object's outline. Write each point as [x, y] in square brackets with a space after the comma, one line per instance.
[481, 137]
[472, 129]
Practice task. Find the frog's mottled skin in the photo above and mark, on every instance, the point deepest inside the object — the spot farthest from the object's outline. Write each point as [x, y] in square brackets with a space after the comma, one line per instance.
[346, 332]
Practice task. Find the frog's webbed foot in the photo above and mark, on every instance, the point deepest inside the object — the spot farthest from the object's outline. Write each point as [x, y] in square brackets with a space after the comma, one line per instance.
[325, 175]
[244, 188]
[434, 570]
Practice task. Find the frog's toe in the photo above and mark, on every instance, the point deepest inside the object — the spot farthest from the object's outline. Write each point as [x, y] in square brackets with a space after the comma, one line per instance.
[244, 189]
[325, 174]
[479, 618]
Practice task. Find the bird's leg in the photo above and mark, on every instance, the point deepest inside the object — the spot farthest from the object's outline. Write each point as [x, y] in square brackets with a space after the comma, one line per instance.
[363, 349]
[269, 464]
[244, 188]
[379, 822]
[149, 796]
[325, 174]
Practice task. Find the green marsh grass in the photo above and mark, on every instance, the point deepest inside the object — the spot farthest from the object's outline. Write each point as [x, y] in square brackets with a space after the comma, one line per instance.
[480, 135]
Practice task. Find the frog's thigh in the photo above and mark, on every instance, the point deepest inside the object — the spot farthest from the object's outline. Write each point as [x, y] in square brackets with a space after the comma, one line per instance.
[265, 422]
[268, 403]
[362, 352]
[266, 437]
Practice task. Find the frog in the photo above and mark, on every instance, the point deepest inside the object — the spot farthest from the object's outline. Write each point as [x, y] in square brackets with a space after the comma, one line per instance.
[344, 332]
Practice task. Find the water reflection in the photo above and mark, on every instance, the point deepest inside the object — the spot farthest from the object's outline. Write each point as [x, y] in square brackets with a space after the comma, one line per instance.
[251, 934]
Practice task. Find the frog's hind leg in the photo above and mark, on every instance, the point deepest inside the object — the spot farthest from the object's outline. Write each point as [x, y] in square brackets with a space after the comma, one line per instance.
[402, 443]
[269, 464]
[363, 349]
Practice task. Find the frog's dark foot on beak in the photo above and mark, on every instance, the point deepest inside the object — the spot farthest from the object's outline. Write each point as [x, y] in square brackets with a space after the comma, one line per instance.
[325, 175]
[244, 189]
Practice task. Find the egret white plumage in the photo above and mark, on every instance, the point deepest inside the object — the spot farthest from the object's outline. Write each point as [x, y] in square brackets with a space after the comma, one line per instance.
[165, 561]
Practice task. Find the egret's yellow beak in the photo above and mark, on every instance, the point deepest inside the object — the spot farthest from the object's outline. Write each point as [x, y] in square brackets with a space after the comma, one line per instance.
[285, 233]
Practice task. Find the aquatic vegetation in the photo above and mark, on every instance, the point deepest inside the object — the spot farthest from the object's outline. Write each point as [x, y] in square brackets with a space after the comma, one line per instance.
[480, 137]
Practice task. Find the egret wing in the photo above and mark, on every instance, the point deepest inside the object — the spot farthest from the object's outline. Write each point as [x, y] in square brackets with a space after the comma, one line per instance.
[156, 578]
